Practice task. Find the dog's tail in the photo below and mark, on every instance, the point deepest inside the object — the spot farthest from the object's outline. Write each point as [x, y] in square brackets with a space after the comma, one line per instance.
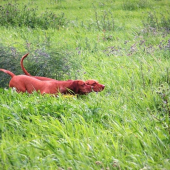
[22, 66]
[8, 72]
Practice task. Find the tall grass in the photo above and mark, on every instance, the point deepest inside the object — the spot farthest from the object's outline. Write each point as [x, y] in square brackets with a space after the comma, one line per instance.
[8, 59]
[158, 21]
[135, 4]
[126, 126]
[105, 21]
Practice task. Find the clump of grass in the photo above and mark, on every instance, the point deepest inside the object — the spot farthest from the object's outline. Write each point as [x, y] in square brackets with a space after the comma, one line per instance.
[164, 47]
[8, 60]
[129, 5]
[105, 21]
[164, 107]
[158, 22]
[12, 15]
[133, 5]
[52, 63]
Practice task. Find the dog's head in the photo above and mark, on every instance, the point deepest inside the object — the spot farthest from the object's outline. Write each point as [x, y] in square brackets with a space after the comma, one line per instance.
[81, 87]
[95, 85]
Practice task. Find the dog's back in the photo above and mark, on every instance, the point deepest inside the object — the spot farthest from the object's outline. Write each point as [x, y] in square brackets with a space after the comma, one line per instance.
[24, 83]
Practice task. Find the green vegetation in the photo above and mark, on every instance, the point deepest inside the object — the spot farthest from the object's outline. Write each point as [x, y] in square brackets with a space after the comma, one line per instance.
[11, 15]
[125, 45]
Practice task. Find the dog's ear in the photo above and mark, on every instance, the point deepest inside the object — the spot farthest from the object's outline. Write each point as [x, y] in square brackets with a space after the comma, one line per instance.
[91, 82]
[87, 82]
[75, 87]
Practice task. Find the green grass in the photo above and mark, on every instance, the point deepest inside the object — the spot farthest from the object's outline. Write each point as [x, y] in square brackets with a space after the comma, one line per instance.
[126, 126]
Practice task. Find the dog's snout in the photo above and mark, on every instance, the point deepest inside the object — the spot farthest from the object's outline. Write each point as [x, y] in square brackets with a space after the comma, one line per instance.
[103, 86]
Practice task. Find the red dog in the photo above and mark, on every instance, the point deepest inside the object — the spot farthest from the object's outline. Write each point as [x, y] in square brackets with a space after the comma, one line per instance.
[24, 83]
[93, 83]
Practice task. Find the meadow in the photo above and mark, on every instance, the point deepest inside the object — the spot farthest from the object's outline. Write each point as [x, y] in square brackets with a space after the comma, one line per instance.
[124, 45]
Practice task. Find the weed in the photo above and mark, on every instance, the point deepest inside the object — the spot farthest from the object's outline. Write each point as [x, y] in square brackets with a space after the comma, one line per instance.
[164, 47]
[164, 117]
[128, 5]
[105, 21]
[50, 61]
[9, 59]
[135, 4]
[116, 51]
[157, 22]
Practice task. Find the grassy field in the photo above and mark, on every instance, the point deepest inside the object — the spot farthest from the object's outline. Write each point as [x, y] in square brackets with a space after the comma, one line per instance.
[125, 45]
